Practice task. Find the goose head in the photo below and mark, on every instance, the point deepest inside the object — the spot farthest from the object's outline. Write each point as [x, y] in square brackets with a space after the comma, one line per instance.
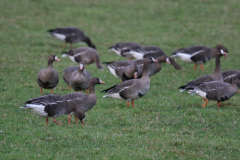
[221, 50]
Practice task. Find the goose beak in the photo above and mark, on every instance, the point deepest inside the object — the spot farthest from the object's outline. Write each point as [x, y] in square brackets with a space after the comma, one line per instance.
[225, 55]
[82, 121]
[167, 60]
[56, 59]
[101, 82]
[154, 60]
[135, 75]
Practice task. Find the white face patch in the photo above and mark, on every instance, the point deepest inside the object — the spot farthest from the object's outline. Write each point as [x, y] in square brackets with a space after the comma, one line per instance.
[167, 60]
[222, 51]
[81, 66]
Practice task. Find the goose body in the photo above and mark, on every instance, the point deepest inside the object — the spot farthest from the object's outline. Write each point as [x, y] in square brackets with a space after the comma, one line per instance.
[230, 75]
[53, 106]
[216, 76]
[67, 74]
[84, 54]
[198, 54]
[152, 51]
[118, 65]
[79, 79]
[71, 35]
[48, 77]
[129, 50]
[133, 89]
[215, 90]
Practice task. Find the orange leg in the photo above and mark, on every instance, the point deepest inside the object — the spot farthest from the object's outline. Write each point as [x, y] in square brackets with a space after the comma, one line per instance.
[47, 121]
[238, 91]
[127, 104]
[132, 104]
[52, 91]
[75, 91]
[195, 67]
[205, 103]
[218, 104]
[87, 91]
[121, 81]
[41, 91]
[76, 119]
[201, 67]
[69, 88]
[54, 120]
[69, 119]
[71, 46]
[64, 45]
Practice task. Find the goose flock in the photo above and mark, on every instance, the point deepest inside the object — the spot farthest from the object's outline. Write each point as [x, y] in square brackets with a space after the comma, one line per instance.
[134, 75]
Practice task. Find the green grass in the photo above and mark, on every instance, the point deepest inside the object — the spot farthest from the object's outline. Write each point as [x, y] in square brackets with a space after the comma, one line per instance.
[166, 124]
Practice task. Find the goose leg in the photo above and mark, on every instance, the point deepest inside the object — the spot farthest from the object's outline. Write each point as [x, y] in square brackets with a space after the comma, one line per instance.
[218, 104]
[64, 45]
[127, 104]
[238, 91]
[205, 103]
[203, 99]
[69, 119]
[195, 67]
[54, 120]
[71, 46]
[69, 88]
[41, 91]
[52, 91]
[202, 67]
[132, 104]
[47, 121]
[87, 91]
[75, 91]
[76, 119]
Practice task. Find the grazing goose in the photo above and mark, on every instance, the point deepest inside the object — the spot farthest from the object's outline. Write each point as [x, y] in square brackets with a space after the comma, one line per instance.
[230, 75]
[48, 77]
[79, 79]
[216, 76]
[86, 54]
[70, 35]
[85, 102]
[67, 74]
[156, 67]
[129, 50]
[215, 91]
[152, 51]
[53, 106]
[133, 89]
[198, 54]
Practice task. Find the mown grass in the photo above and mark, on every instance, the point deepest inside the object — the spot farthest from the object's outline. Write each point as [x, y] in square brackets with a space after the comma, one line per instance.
[166, 124]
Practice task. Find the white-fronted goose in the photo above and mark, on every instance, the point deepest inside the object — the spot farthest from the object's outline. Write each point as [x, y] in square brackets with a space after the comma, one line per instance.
[70, 35]
[198, 54]
[79, 79]
[215, 91]
[48, 77]
[129, 50]
[152, 51]
[156, 67]
[230, 75]
[216, 76]
[53, 106]
[67, 74]
[85, 102]
[86, 54]
[133, 89]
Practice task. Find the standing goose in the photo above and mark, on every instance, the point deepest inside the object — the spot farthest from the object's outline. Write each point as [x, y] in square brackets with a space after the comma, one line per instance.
[70, 35]
[129, 50]
[48, 77]
[215, 91]
[53, 106]
[86, 54]
[156, 67]
[133, 89]
[230, 75]
[79, 79]
[85, 102]
[67, 74]
[216, 76]
[198, 54]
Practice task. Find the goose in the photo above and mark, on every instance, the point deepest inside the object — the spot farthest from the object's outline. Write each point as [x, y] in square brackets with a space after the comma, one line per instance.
[53, 106]
[230, 75]
[133, 89]
[215, 90]
[129, 50]
[85, 102]
[67, 73]
[48, 77]
[216, 76]
[70, 35]
[86, 54]
[79, 79]
[156, 67]
[152, 51]
[199, 54]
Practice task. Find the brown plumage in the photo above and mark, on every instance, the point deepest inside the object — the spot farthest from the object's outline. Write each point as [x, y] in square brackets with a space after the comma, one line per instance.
[67, 74]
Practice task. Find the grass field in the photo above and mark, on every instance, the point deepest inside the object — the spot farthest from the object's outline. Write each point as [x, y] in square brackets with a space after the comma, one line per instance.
[165, 123]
